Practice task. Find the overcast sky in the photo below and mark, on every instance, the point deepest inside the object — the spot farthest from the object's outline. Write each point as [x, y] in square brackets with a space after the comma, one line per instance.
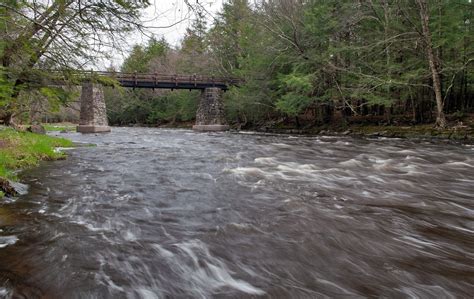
[174, 14]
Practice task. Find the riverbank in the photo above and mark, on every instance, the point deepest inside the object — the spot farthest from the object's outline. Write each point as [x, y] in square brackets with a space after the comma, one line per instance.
[20, 150]
[460, 129]
[459, 133]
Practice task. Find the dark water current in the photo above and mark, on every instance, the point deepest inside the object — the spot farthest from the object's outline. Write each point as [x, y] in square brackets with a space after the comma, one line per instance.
[153, 213]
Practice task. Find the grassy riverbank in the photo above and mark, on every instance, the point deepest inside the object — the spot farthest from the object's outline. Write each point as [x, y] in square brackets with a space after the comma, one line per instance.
[19, 150]
[62, 127]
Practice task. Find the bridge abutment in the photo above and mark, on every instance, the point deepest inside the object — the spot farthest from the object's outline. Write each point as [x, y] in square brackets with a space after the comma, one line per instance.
[210, 114]
[93, 116]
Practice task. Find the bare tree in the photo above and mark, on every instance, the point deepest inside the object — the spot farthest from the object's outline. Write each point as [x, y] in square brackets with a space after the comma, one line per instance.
[433, 61]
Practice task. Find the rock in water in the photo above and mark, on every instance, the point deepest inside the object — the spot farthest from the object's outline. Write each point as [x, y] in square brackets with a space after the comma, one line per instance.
[7, 187]
[38, 129]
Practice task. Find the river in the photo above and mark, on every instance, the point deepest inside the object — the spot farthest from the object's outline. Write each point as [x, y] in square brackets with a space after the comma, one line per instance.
[156, 213]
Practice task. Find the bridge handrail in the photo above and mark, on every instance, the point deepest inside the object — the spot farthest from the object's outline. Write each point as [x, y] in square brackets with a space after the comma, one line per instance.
[153, 77]
[156, 78]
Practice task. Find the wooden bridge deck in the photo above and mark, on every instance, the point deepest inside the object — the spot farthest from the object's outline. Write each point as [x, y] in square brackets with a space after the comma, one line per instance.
[138, 80]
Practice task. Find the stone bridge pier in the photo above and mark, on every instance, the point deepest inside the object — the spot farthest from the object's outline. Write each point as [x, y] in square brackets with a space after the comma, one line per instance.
[210, 114]
[93, 116]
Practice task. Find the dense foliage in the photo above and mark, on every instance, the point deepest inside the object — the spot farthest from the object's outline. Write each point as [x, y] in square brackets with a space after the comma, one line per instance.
[313, 62]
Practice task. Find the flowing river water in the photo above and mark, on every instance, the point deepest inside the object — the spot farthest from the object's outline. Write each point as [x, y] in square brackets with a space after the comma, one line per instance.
[155, 213]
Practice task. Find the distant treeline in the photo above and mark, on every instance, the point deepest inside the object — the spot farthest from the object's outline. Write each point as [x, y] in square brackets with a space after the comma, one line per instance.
[314, 62]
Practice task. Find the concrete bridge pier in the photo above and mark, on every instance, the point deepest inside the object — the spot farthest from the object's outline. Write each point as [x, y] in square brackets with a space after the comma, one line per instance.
[210, 113]
[93, 116]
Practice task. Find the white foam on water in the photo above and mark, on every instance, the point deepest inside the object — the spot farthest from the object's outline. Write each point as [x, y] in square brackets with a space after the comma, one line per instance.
[266, 161]
[7, 240]
[282, 145]
[426, 291]
[105, 279]
[204, 273]
[130, 236]
[338, 287]
[124, 197]
[380, 161]
[388, 138]
[406, 151]
[341, 143]
[471, 211]
[376, 179]
[458, 163]
[162, 251]
[303, 168]
[4, 293]
[62, 149]
[248, 133]
[91, 227]
[319, 141]
[144, 293]
[352, 163]
[249, 171]
[416, 242]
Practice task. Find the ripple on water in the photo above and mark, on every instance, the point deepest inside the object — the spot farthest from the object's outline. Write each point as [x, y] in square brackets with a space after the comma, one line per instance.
[205, 273]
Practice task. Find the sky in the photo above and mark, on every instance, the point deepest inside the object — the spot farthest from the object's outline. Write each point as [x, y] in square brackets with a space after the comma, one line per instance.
[173, 14]
[169, 12]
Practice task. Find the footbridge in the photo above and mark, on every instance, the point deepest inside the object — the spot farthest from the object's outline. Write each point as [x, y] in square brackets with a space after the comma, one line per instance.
[209, 116]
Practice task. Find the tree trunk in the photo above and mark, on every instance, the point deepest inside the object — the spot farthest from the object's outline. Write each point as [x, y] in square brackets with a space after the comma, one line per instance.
[388, 105]
[433, 62]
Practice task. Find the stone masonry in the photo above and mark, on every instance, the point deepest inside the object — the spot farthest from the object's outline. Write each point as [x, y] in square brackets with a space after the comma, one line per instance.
[93, 118]
[210, 114]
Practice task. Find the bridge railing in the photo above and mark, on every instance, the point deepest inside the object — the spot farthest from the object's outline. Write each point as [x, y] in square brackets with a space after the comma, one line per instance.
[148, 79]
[158, 77]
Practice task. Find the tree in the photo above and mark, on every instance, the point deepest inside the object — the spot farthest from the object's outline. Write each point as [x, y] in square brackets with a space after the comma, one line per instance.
[229, 36]
[193, 53]
[141, 57]
[433, 61]
[58, 34]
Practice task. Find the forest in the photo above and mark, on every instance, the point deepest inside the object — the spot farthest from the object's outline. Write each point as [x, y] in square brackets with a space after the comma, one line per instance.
[308, 63]
[303, 63]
